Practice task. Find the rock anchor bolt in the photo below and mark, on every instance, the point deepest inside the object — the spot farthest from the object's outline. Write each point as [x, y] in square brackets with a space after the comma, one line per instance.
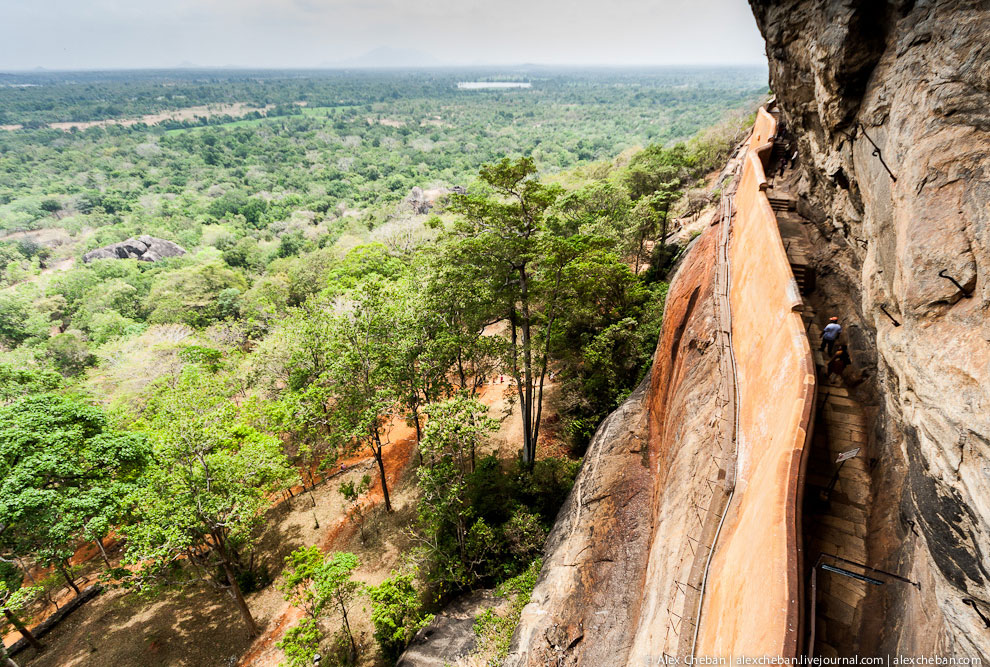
[967, 294]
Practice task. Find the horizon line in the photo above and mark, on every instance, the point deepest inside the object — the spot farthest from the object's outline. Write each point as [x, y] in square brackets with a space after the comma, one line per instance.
[342, 67]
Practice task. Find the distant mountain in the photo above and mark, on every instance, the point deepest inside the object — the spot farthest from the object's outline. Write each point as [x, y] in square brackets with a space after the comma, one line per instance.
[387, 56]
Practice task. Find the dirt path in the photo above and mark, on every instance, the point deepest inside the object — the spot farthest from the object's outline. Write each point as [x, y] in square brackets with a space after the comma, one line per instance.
[60, 265]
[396, 457]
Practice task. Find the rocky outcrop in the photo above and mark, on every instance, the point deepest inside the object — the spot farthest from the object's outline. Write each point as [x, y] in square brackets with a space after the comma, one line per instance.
[582, 606]
[450, 636]
[144, 248]
[889, 105]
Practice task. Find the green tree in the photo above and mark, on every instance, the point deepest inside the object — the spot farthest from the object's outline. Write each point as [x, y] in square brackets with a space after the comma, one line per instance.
[652, 217]
[192, 295]
[454, 316]
[52, 206]
[17, 381]
[513, 254]
[451, 533]
[301, 643]
[396, 613]
[11, 604]
[321, 586]
[362, 381]
[207, 490]
[425, 350]
[65, 474]
[69, 352]
[13, 319]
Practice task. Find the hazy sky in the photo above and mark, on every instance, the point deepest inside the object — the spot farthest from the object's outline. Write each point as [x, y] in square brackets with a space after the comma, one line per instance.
[306, 33]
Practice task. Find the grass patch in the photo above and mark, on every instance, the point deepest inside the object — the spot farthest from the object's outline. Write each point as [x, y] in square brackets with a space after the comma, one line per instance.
[495, 630]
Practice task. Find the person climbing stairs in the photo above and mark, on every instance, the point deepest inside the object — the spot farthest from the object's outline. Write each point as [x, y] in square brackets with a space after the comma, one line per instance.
[838, 493]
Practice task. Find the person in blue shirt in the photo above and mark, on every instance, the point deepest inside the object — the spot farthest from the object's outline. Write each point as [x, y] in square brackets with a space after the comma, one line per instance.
[830, 335]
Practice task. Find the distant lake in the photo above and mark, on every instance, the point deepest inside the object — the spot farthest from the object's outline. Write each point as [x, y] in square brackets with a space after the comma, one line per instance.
[481, 85]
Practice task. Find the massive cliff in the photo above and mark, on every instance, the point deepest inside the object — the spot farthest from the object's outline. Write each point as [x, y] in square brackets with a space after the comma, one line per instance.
[692, 547]
[685, 535]
[889, 106]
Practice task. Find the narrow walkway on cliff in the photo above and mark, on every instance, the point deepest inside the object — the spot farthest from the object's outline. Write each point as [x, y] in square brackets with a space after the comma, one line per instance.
[837, 496]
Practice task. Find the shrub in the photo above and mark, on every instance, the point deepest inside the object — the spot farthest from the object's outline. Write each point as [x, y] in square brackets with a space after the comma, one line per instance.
[494, 631]
[301, 643]
[396, 613]
[69, 353]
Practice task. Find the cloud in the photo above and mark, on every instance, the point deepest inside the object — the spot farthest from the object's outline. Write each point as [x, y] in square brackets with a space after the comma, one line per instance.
[281, 33]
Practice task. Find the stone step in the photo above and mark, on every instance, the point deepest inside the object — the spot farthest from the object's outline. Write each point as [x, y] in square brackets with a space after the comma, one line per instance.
[782, 203]
[843, 525]
[853, 488]
[817, 546]
[851, 513]
[854, 476]
[838, 610]
[839, 495]
[843, 433]
[843, 418]
[852, 552]
[842, 538]
[855, 466]
[835, 399]
[846, 589]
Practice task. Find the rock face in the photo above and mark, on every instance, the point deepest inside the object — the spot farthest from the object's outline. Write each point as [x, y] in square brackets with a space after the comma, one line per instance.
[450, 636]
[889, 105]
[144, 248]
[582, 608]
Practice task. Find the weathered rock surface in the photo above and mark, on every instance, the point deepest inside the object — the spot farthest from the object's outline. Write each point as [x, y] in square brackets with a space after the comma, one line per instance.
[450, 635]
[913, 78]
[582, 605]
[144, 248]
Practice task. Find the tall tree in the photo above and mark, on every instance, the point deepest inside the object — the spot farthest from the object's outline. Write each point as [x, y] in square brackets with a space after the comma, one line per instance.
[450, 531]
[365, 377]
[460, 315]
[424, 351]
[64, 474]
[510, 250]
[322, 585]
[206, 492]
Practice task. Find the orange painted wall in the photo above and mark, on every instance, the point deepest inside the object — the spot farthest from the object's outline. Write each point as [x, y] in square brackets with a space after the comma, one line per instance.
[752, 600]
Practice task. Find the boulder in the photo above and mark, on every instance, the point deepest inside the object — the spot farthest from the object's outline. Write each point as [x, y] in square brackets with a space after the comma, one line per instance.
[160, 248]
[144, 248]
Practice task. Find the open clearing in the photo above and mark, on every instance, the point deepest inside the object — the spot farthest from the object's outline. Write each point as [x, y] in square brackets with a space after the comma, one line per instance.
[190, 113]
